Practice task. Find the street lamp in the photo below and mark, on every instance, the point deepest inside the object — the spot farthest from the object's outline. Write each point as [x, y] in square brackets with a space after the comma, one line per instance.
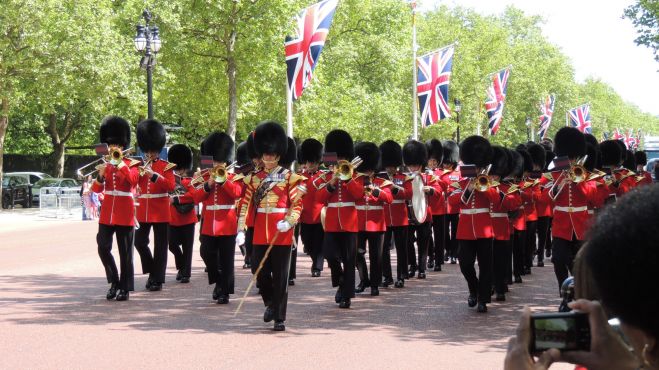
[457, 109]
[147, 41]
[528, 128]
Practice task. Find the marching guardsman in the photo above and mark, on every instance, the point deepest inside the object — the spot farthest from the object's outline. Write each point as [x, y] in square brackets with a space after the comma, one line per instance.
[618, 179]
[155, 183]
[311, 229]
[643, 177]
[510, 201]
[624, 178]
[450, 174]
[395, 213]
[286, 162]
[183, 216]
[117, 179]
[244, 166]
[514, 259]
[247, 215]
[371, 217]
[338, 191]
[475, 233]
[530, 192]
[437, 207]
[571, 197]
[543, 205]
[537, 155]
[219, 220]
[522, 161]
[275, 195]
[415, 157]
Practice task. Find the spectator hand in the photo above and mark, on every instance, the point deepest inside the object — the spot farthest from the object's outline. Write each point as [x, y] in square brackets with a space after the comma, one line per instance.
[518, 356]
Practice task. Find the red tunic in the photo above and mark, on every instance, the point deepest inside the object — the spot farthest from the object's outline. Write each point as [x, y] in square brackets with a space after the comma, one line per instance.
[626, 181]
[449, 178]
[532, 194]
[396, 211]
[340, 198]
[644, 178]
[475, 221]
[219, 211]
[370, 207]
[153, 196]
[438, 203]
[118, 188]
[190, 217]
[543, 203]
[499, 212]
[310, 206]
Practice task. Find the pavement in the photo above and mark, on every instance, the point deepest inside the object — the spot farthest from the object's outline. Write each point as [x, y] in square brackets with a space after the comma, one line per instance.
[54, 314]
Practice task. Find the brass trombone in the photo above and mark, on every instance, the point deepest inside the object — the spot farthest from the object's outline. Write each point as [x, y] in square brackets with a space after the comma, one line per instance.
[114, 153]
[219, 172]
[346, 169]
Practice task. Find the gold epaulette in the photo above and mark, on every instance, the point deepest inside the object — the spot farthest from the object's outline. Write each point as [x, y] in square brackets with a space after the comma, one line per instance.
[238, 177]
[409, 178]
[548, 176]
[386, 183]
[134, 162]
[294, 178]
[456, 185]
[169, 166]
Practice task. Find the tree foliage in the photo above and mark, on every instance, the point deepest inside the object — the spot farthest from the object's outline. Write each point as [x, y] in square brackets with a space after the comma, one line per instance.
[644, 14]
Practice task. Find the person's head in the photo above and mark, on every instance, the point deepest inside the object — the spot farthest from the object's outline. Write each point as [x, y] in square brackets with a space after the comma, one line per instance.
[151, 137]
[623, 258]
[415, 155]
[270, 143]
[435, 153]
[451, 154]
[310, 154]
[370, 155]
[115, 132]
[391, 156]
[476, 150]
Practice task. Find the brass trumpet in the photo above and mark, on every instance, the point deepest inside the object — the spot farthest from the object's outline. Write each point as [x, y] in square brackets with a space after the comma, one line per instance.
[218, 172]
[346, 169]
[482, 182]
[577, 173]
[114, 153]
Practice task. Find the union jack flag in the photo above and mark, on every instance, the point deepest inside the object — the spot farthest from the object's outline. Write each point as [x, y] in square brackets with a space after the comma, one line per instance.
[617, 135]
[496, 96]
[303, 50]
[630, 141]
[546, 112]
[434, 73]
[579, 117]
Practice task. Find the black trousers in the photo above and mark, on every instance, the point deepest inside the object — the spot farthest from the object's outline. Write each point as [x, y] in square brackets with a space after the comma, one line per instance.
[273, 277]
[181, 240]
[312, 238]
[531, 245]
[421, 233]
[519, 244]
[340, 249]
[439, 238]
[481, 250]
[451, 232]
[155, 265]
[563, 253]
[500, 264]
[218, 253]
[374, 240]
[249, 250]
[509, 262]
[542, 230]
[124, 235]
[296, 236]
[397, 234]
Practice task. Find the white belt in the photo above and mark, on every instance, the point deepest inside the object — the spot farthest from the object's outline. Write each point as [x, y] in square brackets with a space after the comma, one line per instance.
[368, 208]
[341, 204]
[499, 215]
[217, 207]
[591, 211]
[151, 196]
[571, 209]
[117, 193]
[272, 210]
[474, 211]
[398, 201]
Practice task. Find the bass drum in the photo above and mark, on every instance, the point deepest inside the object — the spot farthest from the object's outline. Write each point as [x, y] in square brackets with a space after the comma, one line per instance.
[419, 203]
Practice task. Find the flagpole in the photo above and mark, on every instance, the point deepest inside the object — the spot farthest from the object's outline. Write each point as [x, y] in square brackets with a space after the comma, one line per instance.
[415, 134]
[289, 110]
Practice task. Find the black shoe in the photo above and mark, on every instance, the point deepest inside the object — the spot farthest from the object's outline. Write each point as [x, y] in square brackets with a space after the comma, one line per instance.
[315, 273]
[386, 282]
[518, 279]
[548, 253]
[268, 315]
[185, 279]
[179, 275]
[500, 297]
[112, 292]
[223, 299]
[411, 272]
[541, 264]
[279, 326]
[482, 308]
[216, 292]
[400, 283]
[291, 282]
[246, 266]
[361, 287]
[505, 289]
[345, 303]
[453, 261]
[446, 258]
[122, 295]
[155, 287]
[471, 301]
[338, 296]
[149, 283]
[437, 267]
[422, 275]
[431, 264]
[375, 291]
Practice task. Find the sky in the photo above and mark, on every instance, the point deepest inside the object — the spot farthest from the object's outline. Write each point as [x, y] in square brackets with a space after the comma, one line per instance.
[595, 37]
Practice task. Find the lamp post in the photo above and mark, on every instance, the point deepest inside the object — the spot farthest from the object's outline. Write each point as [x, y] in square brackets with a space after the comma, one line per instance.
[147, 41]
[457, 109]
[528, 128]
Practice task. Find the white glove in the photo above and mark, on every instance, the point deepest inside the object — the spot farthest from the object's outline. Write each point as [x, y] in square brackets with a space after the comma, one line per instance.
[283, 226]
[240, 238]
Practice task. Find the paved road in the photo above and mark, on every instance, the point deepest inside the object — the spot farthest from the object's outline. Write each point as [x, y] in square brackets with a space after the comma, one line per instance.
[54, 315]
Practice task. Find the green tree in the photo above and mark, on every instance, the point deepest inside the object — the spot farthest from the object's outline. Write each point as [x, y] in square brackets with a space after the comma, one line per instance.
[645, 17]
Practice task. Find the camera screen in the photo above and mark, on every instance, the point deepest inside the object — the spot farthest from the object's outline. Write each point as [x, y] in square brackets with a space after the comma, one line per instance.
[559, 333]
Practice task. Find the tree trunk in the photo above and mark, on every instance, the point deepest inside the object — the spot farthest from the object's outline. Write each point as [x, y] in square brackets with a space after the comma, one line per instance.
[4, 123]
[57, 157]
[231, 75]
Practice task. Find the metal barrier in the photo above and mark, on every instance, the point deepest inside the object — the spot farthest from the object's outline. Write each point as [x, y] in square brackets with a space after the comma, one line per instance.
[59, 202]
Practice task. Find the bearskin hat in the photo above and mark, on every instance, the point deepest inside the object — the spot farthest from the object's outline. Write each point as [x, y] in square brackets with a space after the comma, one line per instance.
[622, 146]
[251, 150]
[641, 158]
[548, 144]
[590, 138]
[528, 160]
[451, 152]
[630, 161]
[435, 150]
[181, 156]
[115, 131]
[370, 155]
[592, 161]
[242, 155]
[476, 150]
[569, 142]
[538, 155]
[611, 153]
[291, 154]
[516, 164]
[270, 138]
[549, 157]
[340, 142]
[415, 153]
[391, 154]
[151, 135]
[311, 150]
[219, 145]
[500, 161]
